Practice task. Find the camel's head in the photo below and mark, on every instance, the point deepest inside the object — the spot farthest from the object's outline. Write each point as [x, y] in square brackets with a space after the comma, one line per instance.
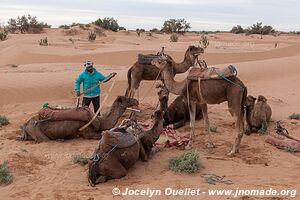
[126, 101]
[250, 101]
[161, 63]
[194, 51]
[261, 98]
[157, 115]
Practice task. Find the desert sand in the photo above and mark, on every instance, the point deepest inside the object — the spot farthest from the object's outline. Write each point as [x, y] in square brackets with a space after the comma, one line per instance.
[47, 73]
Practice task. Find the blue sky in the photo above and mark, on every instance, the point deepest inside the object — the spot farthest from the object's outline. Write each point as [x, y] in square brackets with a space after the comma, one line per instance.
[203, 14]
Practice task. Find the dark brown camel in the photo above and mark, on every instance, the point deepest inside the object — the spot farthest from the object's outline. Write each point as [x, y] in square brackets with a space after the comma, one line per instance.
[139, 72]
[116, 153]
[213, 91]
[52, 130]
[177, 114]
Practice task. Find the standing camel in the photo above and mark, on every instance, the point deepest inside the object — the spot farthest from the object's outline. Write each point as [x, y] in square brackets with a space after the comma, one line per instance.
[212, 91]
[139, 72]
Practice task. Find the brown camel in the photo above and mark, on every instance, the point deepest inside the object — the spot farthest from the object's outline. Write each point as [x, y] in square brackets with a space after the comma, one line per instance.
[119, 149]
[258, 114]
[177, 114]
[213, 91]
[139, 72]
[52, 130]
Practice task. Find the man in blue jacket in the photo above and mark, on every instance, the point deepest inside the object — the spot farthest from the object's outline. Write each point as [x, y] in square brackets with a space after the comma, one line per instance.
[90, 77]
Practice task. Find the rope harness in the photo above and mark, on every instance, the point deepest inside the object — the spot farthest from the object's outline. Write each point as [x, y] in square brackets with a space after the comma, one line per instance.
[213, 179]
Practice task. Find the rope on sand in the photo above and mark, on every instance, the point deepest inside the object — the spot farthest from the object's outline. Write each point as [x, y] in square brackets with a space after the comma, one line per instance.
[213, 179]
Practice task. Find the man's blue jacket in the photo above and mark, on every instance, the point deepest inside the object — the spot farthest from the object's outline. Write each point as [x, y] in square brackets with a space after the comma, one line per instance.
[89, 80]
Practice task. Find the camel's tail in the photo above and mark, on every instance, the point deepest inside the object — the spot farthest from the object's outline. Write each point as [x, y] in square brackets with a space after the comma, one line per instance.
[129, 82]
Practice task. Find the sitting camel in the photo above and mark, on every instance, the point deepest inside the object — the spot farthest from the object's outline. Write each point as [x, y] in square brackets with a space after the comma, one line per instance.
[177, 114]
[258, 114]
[119, 149]
[208, 91]
[139, 72]
[42, 130]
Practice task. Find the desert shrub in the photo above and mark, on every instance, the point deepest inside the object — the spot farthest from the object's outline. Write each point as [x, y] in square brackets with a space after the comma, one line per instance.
[78, 158]
[237, 29]
[3, 35]
[108, 23]
[174, 38]
[176, 26]
[149, 34]
[290, 149]
[26, 24]
[187, 162]
[204, 42]
[64, 26]
[3, 120]
[88, 25]
[121, 28]
[71, 32]
[294, 116]
[43, 42]
[213, 129]
[92, 36]
[5, 174]
[154, 30]
[71, 40]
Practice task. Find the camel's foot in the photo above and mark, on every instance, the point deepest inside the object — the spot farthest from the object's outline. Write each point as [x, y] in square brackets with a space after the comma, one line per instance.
[262, 131]
[248, 131]
[232, 153]
[189, 146]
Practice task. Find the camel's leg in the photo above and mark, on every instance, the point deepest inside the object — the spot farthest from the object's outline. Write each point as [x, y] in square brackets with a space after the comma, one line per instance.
[143, 154]
[239, 124]
[112, 168]
[192, 112]
[207, 125]
[136, 79]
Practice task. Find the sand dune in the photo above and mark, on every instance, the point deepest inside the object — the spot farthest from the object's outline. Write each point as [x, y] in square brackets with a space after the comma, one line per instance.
[45, 170]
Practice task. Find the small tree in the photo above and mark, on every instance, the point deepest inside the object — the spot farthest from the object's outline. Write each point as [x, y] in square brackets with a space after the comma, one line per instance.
[108, 23]
[237, 29]
[176, 26]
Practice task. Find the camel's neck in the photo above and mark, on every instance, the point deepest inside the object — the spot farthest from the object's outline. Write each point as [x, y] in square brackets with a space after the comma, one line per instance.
[249, 110]
[156, 130]
[184, 65]
[110, 120]
[173, 86]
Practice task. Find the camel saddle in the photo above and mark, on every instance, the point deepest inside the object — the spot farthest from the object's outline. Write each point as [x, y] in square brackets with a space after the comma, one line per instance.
[126, 135]
[211, 73]
[76, 114]
[147, 58]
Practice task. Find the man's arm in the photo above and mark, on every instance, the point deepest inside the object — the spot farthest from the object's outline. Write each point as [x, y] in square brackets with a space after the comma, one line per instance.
[78, 81]
[106, 78]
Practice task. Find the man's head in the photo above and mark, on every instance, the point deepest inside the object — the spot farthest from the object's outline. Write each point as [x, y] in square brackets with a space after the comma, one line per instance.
[89, 66]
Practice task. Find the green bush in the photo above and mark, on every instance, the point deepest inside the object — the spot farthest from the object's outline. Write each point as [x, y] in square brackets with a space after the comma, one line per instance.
[5, 174]
[174, 38]
[64, 26]
[187, 162]
[92, 36]
[3, 120]
[78, 158]
[294, 116]
[204, 42]
[3, 35]
[108, 23]
[43, 42]
[26, 24]
[237, 29]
